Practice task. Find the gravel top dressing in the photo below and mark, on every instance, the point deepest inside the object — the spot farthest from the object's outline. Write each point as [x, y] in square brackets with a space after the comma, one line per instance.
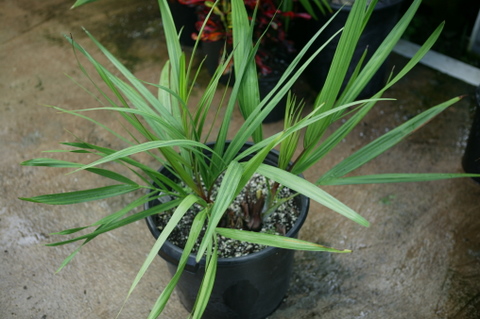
[239, 216]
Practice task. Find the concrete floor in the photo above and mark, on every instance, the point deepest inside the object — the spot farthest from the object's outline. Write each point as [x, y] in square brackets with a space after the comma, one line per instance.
[419, 259]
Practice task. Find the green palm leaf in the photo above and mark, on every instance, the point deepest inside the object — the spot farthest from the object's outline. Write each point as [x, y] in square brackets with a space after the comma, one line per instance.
[383, 143]
[275, 240]
[167, 291]
[83, 195]
[310, 190]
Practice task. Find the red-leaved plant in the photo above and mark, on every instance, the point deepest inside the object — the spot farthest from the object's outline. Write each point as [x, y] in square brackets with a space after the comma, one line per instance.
[269, 30]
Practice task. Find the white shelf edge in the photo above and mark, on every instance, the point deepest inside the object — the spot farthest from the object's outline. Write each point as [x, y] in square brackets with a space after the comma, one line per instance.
[442, 63]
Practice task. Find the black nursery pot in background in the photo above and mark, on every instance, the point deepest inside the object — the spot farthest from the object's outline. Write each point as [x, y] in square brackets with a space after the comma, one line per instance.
[247, 287]
[266, 84]
[382, 21]
[471, 158]
[184, 17]
[278, 63]
[213, 53]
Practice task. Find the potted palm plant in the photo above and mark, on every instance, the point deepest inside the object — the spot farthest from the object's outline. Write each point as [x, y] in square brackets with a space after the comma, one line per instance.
[204, 181]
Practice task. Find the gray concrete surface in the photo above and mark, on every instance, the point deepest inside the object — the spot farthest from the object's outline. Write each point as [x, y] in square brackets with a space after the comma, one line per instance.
[419, 259]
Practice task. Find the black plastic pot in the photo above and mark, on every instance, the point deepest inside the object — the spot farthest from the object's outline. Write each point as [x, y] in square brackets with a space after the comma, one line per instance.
[266, 84]
[383, 19]
[471, 157]
[212, 51]
[184, 18]
[247, 287]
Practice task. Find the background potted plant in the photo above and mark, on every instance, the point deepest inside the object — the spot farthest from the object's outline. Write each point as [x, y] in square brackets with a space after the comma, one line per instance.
[174, 134]
[275, 50]
[384, 16]
[287, 9]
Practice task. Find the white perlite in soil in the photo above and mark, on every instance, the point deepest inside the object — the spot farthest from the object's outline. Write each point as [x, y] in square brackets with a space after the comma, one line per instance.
[279, 222]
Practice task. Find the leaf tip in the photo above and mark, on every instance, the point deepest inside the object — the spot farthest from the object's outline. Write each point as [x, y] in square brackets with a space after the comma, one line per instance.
[27, 199]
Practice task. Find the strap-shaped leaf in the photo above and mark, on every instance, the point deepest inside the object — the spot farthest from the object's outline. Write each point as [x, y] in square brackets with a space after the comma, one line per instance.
[108, 220]
[192, 238]
[173, 46]
[381, 54]
[184, 206]
[103, 224]
[226, 193]
[338, 69]
[147, 146]
[122, 222]
[287, 80]
[275, 240]
[79, 3]
[153, 174]
[249, 94]
[207, 285]
[83, 195]
[49, 162]
[395, 178]
[383, 143]
[139, 95]
[312, 191]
